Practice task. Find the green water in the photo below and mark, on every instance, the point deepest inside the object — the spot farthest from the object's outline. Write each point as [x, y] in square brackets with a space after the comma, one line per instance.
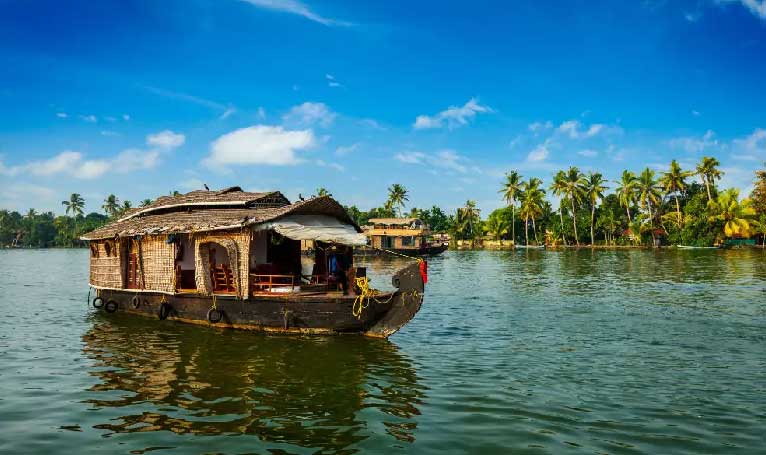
[512, 352]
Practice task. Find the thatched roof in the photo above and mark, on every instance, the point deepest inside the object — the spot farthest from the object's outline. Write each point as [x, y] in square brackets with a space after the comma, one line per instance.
[201, 211]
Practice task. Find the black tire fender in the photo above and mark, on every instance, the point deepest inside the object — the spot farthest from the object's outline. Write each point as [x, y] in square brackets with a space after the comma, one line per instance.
[214, 315]
[110, 306]
[98, 302]
[165, 310]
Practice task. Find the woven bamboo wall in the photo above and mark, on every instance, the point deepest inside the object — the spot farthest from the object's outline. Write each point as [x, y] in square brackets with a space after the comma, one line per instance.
[158, 263]
[105, 270]
[237, 246]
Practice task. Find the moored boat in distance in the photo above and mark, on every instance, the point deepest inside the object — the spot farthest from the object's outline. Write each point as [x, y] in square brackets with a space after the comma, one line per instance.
[231, 258]
[406, 236]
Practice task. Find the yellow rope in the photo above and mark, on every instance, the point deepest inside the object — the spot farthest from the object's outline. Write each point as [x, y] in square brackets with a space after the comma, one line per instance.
[215, 304]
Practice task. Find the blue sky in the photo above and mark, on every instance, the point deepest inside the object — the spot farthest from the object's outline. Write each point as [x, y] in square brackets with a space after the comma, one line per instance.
[139, 98]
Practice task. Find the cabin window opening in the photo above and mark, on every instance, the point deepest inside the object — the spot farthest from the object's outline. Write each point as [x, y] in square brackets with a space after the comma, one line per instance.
[275, 263]
[388, 241]
[221, 274]
[408, 240]
[184, 263]
[94, 250]
[109, 248]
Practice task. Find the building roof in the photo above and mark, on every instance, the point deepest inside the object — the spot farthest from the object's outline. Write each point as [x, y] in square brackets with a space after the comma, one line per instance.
[201, 211]
[392, 220]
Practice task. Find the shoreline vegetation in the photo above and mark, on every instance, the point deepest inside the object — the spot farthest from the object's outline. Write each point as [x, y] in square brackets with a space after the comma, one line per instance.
[649, 209]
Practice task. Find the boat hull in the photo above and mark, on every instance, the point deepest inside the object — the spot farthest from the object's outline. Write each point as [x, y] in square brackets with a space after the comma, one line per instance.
[430, 250]
[382, 316]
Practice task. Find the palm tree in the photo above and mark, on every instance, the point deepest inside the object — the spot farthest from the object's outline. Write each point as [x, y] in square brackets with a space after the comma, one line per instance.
[397, 195]
[126, 205]
[626, 191]
[734, 214]
[75, 204]
[648, 194]
[674, 182]
[510, 190]
[594, 191]
[145, 202]
[708, 171]
[322, 191]
[574, 189]
[111, 205]
[466, 220]
[531, 204]
[497, 227]
[558, 188]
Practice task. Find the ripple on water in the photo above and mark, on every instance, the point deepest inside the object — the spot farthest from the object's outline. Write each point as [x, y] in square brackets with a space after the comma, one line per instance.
[526, 351]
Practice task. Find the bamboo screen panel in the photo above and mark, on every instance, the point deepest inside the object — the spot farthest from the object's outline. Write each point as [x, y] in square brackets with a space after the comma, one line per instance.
[237, 246]
[105, 270]
[157, 263]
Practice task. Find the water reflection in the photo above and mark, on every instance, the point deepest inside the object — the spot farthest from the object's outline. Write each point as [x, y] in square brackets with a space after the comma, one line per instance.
[323, 393]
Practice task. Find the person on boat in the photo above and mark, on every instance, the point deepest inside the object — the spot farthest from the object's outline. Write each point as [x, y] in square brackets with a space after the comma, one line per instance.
[339, 269]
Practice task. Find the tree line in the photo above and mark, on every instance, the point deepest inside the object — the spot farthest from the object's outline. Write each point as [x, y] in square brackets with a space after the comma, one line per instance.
[44, 230]
[675, 206]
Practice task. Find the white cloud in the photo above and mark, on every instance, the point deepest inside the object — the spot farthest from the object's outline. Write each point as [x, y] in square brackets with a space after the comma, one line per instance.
[332, 82]
[444, 159]
[134, 159]
[62, 115]
[89, 118]
[166, 139]
[539, 153]
[372, 124]
[298, 8]
[692, 144]
[345, 150]
[308, 114]
[693, 16]
[229, 110]
[696, 113]
[757, 7]
[110, 119]
[751, 147]
[125, 117]
[335, 166]
[588, 153]
[261, 114]
[109, 133]
[260, 144]
[536, 127]
[67, 163]
[575, 130]
[452, 117]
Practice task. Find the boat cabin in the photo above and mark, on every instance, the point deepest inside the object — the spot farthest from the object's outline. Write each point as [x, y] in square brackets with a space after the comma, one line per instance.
[397, 233]
[227, 242]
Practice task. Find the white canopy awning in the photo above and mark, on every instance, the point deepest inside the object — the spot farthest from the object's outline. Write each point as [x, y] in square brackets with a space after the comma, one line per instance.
[316, 227]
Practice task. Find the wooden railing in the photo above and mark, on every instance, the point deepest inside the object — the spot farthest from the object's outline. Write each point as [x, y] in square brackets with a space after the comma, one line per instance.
[264, 283]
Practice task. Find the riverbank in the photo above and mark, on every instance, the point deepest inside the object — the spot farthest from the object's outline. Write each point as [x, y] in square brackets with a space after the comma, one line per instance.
[508, 245]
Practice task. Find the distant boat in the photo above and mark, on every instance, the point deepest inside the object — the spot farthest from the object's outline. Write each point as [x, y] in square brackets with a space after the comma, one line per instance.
[407, 236]
[690, 247]
[531, 247]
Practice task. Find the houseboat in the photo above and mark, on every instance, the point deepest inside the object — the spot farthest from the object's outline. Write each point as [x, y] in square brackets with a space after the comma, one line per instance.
[407, 236]
[232, 258]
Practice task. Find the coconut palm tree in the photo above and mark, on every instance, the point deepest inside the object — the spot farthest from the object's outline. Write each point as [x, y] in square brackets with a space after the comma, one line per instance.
[496, 227]
[111, 205]
[758, 227]
[674, 182]
[322, 191]
[126, 205]
[648, 194]
[708, 171]
[735, 214]
[626, 191]
[531, 204]
[575, 184]
[594, 191]
[558, 188]
[75, 204]
[511, 188]
[145, 203]
[467, 220]
[397, 196]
